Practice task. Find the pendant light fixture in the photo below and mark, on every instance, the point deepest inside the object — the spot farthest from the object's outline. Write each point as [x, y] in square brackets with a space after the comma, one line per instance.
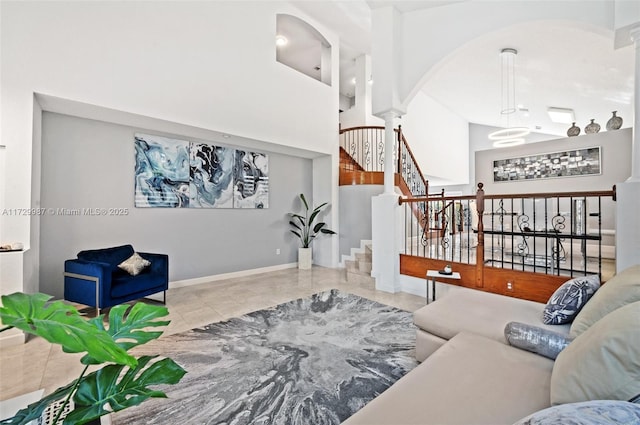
[509, 135]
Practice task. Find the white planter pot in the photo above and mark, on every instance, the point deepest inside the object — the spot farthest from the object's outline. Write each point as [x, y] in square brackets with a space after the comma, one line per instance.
[304, 258]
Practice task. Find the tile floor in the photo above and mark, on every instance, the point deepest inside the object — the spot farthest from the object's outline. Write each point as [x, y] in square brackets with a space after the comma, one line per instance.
[38, 364]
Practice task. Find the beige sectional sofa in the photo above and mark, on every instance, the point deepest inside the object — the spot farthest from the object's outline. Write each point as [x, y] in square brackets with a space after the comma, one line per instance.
[471, 375]
[478, 312]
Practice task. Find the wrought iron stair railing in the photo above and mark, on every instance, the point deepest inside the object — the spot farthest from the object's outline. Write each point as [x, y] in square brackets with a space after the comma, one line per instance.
[362, 151]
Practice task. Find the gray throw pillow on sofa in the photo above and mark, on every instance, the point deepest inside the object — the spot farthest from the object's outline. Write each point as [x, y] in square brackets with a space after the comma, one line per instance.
[568, 299]
[537, 340]
[602, 363]
[596, 412]
[134, 264]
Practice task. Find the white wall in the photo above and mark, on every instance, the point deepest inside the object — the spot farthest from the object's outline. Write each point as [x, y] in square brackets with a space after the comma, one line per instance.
[359, 113]
[439, 139]
[205, 64]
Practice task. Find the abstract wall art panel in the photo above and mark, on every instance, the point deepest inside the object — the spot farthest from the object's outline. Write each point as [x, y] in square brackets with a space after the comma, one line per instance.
[251, 180]
[211, 176]
[174, 173]
[578, 162]
[162, 172]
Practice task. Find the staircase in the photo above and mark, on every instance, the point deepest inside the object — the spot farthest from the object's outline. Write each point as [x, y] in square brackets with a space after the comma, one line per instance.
[351, 172]
[347, 163]
[362, 162]
[358, 264]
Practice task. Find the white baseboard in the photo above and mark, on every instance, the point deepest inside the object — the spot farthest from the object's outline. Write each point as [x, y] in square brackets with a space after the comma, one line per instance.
[222, 276]
[412, 285]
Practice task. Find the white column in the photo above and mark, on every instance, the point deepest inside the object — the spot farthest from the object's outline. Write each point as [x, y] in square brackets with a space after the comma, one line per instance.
[635, 146]
[325, 64]
[384, 217]
[628, 192]
[363, 87]
[3, 179]
[385, 225]
[389, 139]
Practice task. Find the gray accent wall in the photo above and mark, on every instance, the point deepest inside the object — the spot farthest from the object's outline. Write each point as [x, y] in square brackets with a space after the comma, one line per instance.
[90, 164]
[355, 215]
[615, 157]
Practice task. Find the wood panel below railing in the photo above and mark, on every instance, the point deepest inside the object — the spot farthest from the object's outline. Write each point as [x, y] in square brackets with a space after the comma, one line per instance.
[348, 178]
[526, 285]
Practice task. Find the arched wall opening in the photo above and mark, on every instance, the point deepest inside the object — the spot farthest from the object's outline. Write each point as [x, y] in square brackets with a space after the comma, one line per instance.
[300, 46]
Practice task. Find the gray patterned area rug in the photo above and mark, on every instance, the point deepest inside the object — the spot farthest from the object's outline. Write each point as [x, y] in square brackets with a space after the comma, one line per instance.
[315, 360]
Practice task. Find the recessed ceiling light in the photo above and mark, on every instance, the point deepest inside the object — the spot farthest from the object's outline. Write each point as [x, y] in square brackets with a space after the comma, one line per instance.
[226, 136]
[353, 80]
[561, 115]
[281, 40]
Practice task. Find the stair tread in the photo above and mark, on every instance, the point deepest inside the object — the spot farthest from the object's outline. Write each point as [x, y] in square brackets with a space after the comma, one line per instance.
[359, 278]
[363, 256]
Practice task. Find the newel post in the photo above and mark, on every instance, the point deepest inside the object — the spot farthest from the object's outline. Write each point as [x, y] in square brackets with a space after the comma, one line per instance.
[480, 245]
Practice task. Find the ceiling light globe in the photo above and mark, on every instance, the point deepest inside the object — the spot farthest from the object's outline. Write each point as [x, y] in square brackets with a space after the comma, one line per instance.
[281, 40]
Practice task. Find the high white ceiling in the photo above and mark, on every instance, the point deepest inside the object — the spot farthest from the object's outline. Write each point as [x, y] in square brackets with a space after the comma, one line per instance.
[559, 64]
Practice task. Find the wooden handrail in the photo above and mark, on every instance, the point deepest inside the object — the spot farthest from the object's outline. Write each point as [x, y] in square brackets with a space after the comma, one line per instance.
[515, 196]
[447, 205]
[554, 194]
[362, 127]
[402, 200]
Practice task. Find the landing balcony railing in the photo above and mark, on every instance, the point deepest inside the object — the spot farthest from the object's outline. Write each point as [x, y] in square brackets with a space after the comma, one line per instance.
[552, 233]
[365, 148]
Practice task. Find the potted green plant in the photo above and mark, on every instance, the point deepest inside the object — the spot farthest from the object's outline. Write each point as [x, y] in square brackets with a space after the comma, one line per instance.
[304, 229]
[124, 382]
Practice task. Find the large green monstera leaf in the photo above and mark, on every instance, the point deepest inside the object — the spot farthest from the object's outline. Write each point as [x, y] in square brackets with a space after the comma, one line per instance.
[61, 324]
[123, 383]
[126, 326]
[110, 389]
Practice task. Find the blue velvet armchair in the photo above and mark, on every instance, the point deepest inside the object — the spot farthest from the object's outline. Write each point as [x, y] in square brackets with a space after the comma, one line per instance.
[94, 278]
